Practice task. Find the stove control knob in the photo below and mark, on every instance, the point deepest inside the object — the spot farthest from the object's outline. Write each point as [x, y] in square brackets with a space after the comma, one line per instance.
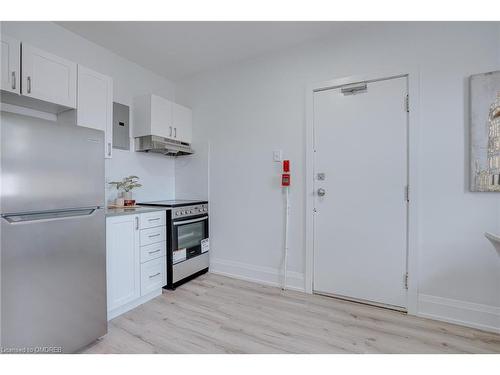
[177, 213]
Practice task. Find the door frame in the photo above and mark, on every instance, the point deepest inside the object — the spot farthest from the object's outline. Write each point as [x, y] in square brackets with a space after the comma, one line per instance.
[413, 80]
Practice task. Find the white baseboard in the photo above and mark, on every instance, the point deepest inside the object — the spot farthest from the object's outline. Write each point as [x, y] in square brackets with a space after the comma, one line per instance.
[468, 314]
[257, 274]
[133, 304]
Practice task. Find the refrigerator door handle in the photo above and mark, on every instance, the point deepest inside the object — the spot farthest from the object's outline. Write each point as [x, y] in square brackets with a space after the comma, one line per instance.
[48, 215]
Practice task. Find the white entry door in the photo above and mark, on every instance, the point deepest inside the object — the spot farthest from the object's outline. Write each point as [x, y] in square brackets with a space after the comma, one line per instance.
[361, 208]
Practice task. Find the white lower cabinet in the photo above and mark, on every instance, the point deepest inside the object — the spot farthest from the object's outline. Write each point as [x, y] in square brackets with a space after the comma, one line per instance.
[122, 260]
[135, 273]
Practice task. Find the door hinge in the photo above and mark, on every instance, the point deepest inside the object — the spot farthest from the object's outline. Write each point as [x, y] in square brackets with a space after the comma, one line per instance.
[407, 193]
[407, 103]
[406, 280]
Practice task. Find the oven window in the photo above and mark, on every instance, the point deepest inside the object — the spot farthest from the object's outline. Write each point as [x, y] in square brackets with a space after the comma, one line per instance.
[190, 235]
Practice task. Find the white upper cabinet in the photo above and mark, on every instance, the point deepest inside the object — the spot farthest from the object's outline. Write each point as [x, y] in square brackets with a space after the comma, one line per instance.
[95, 104]
[48, 77]
[161, 117]
[182, 120]
[154, 115]
[10, 52]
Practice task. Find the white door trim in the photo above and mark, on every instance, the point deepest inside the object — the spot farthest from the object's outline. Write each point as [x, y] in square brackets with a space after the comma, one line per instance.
[413, 132]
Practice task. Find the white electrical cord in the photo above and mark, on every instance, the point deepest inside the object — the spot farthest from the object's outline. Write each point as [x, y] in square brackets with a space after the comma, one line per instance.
[287, 214]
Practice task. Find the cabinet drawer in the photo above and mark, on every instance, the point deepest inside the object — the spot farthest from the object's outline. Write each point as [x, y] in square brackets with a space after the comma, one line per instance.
[153, 251]
[152, 219]
[152, 235]
[153, 275]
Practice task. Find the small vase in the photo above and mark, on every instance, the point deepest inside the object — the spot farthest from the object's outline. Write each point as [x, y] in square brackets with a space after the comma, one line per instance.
[127, 197]
[120, 202]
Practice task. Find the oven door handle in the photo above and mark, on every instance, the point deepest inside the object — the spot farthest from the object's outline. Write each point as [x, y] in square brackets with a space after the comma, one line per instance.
[190, 221]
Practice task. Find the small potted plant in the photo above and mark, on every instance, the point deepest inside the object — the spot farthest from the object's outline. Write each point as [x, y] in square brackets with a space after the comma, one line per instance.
[126, 186]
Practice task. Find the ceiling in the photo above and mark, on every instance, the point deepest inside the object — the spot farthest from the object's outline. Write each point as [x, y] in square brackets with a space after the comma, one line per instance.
[177, 50]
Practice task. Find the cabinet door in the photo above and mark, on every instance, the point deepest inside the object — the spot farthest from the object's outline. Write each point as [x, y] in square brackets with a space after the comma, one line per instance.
[48, 77]
[182, 119]
[123, 260]
[11, 64]
[161, 117]
[95, 104]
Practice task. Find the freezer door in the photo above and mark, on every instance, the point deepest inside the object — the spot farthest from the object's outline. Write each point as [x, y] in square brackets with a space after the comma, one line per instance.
[46, 166]
[53, 280]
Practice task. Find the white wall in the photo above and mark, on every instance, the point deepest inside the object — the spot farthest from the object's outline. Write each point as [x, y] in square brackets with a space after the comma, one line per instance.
[129, 80]
[247, 110]
[192, 173]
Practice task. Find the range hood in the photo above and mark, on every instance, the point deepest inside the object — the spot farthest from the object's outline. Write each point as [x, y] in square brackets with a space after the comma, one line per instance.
[160, 145]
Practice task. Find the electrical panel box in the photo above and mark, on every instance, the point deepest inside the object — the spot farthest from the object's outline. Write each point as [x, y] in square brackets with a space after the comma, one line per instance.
[121, 128]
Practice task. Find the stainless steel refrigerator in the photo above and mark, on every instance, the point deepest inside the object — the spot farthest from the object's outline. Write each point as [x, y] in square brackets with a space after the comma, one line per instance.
[53, 255]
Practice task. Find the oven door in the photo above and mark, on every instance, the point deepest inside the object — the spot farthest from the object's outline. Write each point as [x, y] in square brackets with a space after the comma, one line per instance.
[187, 237]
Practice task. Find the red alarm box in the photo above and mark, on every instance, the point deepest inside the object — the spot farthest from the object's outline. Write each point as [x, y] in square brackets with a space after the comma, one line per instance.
[286, 166]
[285, 179]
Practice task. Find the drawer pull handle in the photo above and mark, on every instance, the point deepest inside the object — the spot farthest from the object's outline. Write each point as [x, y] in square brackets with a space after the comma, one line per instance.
[156, 274]
[154, 235]
[154, 219]
[153, 252]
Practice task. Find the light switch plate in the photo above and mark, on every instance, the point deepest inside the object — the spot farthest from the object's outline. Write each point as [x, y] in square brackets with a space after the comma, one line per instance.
[278, 155]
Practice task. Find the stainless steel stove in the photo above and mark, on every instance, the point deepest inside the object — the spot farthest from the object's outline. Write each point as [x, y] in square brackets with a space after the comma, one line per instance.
[187, 239]
[174, 203]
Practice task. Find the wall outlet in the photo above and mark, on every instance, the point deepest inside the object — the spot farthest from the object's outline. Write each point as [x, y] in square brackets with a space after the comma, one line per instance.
[278, 155]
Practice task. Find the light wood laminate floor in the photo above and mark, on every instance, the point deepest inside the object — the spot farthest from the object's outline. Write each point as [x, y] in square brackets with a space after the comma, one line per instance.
[216, 314]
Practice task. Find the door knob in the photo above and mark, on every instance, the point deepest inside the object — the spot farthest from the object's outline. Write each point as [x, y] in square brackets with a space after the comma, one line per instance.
[321, 192]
